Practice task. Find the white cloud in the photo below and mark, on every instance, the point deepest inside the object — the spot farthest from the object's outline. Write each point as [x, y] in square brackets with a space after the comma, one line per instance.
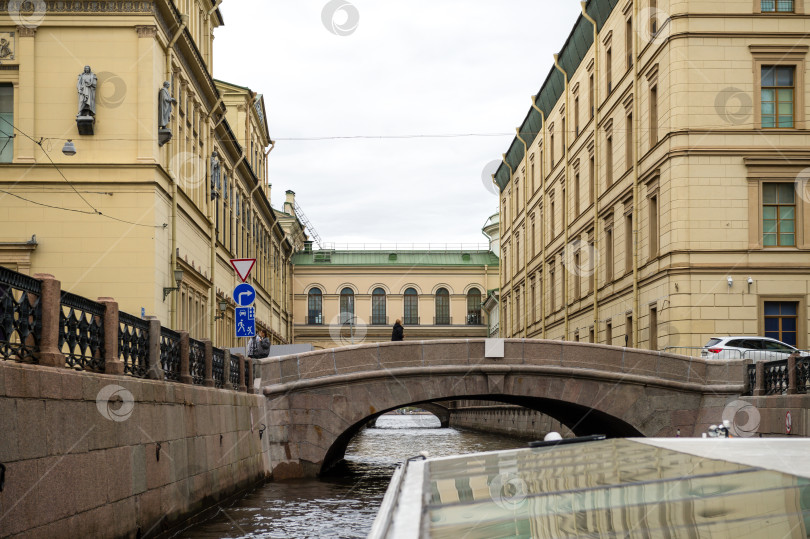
[411, 68]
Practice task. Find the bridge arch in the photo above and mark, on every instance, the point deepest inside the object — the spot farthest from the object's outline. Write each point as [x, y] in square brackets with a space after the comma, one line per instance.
[317, 401]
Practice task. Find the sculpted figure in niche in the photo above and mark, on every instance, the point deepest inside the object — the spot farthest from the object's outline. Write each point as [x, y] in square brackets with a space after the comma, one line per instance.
[166, 102]
[86, 86]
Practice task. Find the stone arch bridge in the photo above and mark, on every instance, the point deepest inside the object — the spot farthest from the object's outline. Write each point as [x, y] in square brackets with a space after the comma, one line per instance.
[316, 402]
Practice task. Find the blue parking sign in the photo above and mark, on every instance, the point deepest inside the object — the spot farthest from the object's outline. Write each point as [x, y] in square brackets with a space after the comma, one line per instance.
[245, 322]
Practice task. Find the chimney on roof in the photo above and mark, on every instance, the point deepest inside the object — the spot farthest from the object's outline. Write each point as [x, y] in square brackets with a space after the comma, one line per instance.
[289, 204]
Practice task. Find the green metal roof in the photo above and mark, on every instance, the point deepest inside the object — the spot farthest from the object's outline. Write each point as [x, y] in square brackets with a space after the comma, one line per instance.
[395, 258]
[570, 57]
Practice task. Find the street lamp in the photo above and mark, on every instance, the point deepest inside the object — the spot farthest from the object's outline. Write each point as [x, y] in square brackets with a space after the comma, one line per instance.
[223, 306]
[69, 149]
[178, 277]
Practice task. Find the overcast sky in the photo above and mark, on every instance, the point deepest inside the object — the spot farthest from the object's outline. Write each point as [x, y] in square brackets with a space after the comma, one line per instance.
[391, 68]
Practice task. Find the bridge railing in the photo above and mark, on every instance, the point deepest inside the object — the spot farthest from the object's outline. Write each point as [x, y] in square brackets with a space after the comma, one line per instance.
[41, 324]
[519, 355]
[779, 377]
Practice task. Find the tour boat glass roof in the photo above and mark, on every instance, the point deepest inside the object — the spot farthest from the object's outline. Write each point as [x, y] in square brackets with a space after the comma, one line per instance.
[617, 488]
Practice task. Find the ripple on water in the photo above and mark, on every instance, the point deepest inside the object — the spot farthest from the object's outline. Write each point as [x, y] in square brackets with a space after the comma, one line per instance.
[344, 505]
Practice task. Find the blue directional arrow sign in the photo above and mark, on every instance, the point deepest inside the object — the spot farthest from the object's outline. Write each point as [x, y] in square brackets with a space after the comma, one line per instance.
[244, 294]
[245, 322]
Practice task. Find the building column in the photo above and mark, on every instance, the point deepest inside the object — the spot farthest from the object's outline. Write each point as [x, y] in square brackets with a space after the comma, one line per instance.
[26, 95]
[146, 94]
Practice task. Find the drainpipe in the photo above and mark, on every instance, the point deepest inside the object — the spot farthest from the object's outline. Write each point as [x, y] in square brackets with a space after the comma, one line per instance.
[213, 9]
[595, 187]
[636, 154]
[212, 224]
[525, 238]
[169, 49]
[511, 173]
[567, 191]
[542, 220]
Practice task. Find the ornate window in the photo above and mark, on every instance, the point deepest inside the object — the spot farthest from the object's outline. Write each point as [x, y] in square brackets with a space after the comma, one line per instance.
[442, 307]
[781, 319]
[778, 215]
[346, 306]
[378, 307]
[411, 307]
[315, 307]
[777, 96]
[474, 307]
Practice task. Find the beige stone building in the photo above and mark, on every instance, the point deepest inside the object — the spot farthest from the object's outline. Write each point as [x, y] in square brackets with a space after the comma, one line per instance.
[656, 192]
[129, 208]
[345, 296]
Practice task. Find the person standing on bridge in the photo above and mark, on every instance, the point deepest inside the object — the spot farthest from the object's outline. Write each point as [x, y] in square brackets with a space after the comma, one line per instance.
[399, 332]
[259, 346]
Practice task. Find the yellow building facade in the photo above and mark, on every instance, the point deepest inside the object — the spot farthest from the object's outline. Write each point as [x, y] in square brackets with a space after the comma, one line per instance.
[353, 296]
[656, 193]
[129, 208]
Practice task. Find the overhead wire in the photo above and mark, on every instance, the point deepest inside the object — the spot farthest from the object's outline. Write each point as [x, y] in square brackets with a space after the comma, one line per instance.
[56, 167]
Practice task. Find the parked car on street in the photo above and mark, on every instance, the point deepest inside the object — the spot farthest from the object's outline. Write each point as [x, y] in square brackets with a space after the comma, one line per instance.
[746, 347]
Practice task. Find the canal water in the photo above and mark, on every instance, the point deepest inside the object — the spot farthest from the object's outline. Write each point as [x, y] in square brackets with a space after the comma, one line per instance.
[344, 505]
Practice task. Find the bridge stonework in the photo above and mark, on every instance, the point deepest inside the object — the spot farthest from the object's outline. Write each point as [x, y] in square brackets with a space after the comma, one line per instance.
[316, 402]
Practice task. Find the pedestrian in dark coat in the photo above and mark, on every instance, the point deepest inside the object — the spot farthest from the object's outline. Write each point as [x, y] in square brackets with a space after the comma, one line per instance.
[398, 333]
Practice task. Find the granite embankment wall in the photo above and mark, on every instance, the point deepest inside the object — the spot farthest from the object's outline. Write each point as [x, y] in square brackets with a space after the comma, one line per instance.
[93, 455]
[505, 419]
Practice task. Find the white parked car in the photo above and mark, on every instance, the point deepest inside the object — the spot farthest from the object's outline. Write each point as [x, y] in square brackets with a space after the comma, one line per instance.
[746, 347]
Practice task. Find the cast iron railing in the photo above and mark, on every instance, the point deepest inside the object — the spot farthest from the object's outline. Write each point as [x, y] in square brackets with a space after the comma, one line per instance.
[234, 373]
[20, 316]
[133, 344]
[803, 374]
[218, 367]
[776, 377]
[81, 332]
[751, 372]
[170, 354]
[196, 361]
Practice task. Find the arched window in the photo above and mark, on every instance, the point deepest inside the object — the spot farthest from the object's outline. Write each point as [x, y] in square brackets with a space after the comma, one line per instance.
[315, 307]
[378, 307]
[346, 305]
[474, 307]
[411, 307]
[442, 307]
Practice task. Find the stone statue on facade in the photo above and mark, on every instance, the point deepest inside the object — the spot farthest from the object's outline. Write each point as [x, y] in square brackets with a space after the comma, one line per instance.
[86, 87]
[215, 172]
[165, 102]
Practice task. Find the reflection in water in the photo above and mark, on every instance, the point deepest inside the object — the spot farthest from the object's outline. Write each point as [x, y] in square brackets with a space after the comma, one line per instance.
[344, 505]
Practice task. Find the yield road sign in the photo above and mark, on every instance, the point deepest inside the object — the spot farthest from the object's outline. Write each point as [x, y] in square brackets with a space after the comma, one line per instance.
[244, 295]
[243, 266]
[245, 322]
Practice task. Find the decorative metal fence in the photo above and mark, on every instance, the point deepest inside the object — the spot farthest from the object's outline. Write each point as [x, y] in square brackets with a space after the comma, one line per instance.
[218, 367]
[776, 377]
[20, 316]
[81, 332]
[133, 344]
[170, 354]
[803, 374]
[752, 378]
[196, 361]
[234, 373]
